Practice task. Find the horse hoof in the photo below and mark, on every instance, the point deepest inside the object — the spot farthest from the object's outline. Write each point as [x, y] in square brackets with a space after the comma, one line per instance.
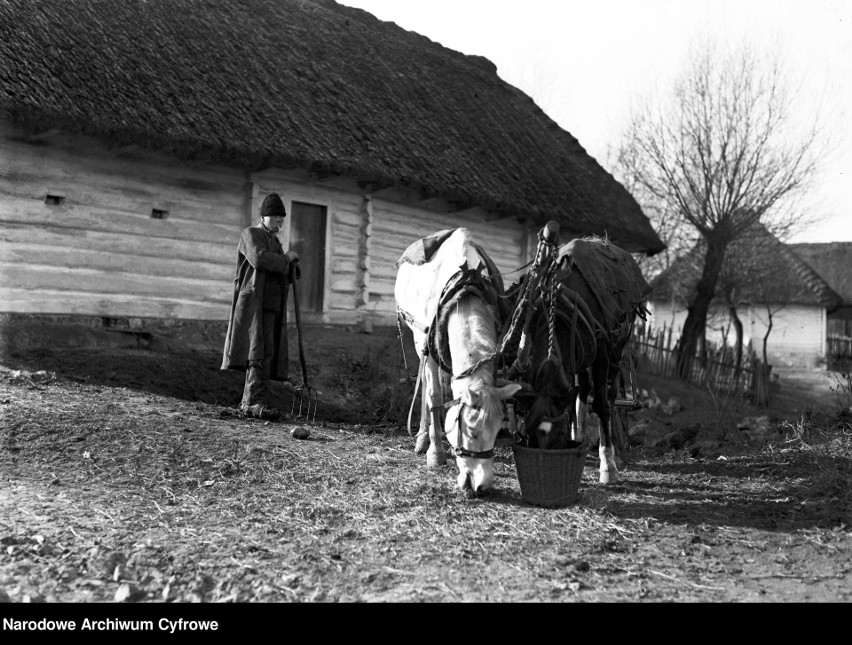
[435, 461]
[608, 477]
[422, 444]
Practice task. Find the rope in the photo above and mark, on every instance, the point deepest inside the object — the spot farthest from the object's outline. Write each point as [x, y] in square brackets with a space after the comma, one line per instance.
[573, 299]
[402, 345]
[551, 324]
[588, 329]
[470, 370]
[513, 329]
[562, 302]
[414, 396]
[501, 275]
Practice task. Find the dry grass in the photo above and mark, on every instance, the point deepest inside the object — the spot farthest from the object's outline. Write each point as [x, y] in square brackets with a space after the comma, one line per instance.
[182, 493]
[114, 477]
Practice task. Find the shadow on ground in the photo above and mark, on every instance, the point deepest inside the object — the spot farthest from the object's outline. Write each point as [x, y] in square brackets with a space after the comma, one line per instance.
[359, 377]
[733, 492]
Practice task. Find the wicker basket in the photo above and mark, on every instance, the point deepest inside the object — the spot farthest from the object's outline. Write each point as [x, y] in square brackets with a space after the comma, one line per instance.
[549, 477]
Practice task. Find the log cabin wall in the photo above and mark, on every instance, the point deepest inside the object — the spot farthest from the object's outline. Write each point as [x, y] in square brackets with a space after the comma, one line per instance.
[89, 231]
[95, 232]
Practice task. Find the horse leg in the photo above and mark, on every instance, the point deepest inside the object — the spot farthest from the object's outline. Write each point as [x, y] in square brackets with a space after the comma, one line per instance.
[578, 421]
[581, 406]
[421, 443]
[601, 407]
[433, 396]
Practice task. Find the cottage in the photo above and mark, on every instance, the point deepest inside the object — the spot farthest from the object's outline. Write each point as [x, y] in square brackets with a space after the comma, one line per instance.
[768, 286]
[139, 138]
[833, 262]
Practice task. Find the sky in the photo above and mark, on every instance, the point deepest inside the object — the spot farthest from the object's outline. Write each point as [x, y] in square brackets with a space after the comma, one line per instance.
[584, 62]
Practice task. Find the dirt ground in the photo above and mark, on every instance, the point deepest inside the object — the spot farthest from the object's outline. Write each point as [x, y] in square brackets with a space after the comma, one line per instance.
[127, 477]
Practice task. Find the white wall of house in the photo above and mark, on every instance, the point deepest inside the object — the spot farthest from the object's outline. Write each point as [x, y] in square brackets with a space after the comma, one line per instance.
[797, 337]
[102, 251]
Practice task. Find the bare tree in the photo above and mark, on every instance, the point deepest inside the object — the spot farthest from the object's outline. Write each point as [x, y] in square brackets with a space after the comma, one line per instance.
[750, 277]
[670, 227]
[722, 155]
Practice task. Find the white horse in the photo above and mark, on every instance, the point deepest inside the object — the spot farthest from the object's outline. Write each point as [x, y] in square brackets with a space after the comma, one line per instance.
[450, 307]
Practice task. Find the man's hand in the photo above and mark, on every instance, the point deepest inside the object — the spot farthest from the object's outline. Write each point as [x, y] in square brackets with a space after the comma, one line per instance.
[293, 259]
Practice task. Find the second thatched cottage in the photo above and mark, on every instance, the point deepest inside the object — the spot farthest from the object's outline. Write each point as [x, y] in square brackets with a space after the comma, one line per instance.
[766, 286]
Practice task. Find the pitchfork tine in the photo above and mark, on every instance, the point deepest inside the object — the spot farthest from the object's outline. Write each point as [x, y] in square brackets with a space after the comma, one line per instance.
[307, 396]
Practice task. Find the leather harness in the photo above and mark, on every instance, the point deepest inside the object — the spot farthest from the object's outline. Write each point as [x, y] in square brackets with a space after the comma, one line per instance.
[465, 282]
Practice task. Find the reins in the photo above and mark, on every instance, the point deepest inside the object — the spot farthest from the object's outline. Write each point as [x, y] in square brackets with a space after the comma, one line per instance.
[502, 275]
[516, 328]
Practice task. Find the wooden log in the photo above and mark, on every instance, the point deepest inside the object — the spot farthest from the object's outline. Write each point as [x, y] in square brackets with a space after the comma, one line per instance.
[69, 253]
[36, 278]
[112, 305]
[23, 213]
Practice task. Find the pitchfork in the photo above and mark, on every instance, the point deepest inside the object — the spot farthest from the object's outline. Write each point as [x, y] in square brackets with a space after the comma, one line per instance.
[304, 393]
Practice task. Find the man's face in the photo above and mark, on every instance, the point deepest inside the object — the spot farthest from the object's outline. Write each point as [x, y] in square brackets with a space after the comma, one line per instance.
[274, 223]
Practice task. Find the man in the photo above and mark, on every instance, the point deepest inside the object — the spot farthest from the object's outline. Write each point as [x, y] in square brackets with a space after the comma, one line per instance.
[256, 341]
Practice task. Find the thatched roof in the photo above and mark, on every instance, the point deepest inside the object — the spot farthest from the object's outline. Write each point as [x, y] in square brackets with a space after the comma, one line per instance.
[758, 269]
[309, 84]
[833, 262]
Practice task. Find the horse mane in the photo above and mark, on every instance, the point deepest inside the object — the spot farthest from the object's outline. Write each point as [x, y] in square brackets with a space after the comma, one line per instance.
[482, 326]
[480, 339]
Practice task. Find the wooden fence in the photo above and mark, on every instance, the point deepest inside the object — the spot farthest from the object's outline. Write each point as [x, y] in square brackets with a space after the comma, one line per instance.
[839, 346]
[655, 351]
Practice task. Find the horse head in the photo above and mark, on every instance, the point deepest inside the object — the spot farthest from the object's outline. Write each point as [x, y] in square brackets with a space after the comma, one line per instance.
[547, 421]
[471, 425]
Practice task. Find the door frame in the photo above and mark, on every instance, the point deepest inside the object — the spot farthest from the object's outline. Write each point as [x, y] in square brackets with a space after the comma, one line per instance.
[291, 196]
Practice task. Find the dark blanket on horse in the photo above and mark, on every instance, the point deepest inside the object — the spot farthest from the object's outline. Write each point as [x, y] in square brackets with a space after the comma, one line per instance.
[613, 277]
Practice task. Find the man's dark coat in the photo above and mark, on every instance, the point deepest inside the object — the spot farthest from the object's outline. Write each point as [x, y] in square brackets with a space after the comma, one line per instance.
[263, 274]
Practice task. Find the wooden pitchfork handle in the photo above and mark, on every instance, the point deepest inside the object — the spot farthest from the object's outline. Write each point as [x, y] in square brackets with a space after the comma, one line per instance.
[299, 326]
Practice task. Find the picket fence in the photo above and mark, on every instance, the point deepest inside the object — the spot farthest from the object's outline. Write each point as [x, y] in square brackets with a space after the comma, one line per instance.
[655, 351]
[839, 346]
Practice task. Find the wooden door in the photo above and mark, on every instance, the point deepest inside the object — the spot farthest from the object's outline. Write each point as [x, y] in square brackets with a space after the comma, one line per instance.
[307, 238]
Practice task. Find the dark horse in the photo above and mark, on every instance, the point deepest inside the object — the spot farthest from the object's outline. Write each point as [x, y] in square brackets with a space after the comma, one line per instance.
[579, 319]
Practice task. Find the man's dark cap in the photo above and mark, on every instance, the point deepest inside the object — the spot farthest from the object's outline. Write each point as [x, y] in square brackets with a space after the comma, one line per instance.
[272, 206]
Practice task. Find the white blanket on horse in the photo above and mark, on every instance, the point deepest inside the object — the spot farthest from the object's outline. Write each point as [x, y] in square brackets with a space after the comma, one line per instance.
[421, 284]
[423, 249]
